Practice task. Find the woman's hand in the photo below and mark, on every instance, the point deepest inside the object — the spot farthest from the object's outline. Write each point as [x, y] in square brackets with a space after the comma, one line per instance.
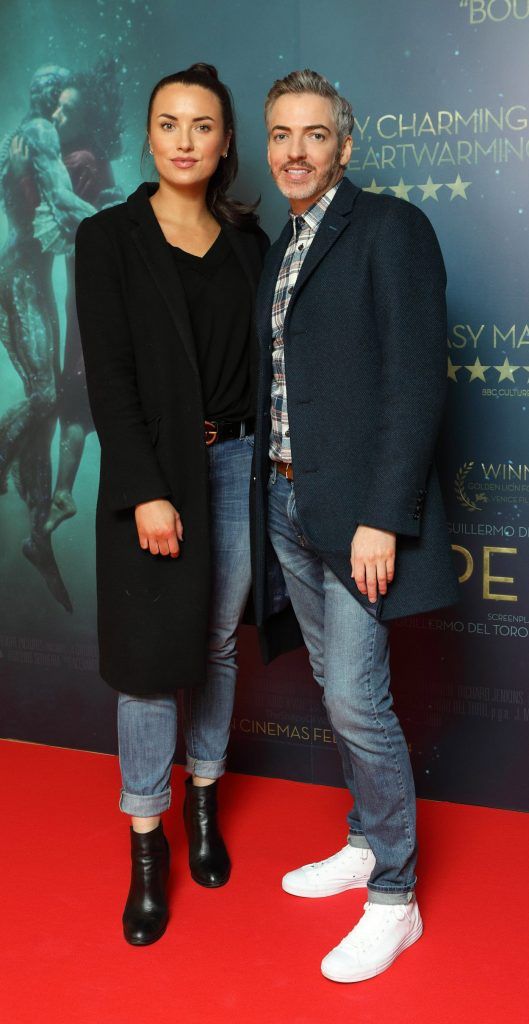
[159, 527]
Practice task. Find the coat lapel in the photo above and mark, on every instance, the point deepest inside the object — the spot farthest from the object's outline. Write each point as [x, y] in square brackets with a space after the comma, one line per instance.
[151, 243]
[267, 285]
[334, 222]
[246, 254]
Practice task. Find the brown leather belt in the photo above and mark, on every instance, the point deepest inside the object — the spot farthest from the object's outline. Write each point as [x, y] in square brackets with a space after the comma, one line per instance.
[285, 468]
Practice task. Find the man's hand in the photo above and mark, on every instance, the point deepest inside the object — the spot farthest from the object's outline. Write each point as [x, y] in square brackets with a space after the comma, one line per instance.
[160, 528]
[373, 560]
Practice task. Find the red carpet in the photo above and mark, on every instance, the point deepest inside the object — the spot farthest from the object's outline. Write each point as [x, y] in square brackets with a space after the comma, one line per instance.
[247, 952]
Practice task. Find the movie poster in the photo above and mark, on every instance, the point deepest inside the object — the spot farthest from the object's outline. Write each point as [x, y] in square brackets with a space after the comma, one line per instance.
[442, 120]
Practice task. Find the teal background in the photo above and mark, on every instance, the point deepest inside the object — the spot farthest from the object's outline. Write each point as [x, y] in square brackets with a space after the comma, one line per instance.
[463, 695]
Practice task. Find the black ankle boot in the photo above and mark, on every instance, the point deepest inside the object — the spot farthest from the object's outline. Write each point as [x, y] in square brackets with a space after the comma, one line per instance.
[145, 916]
[208, 857]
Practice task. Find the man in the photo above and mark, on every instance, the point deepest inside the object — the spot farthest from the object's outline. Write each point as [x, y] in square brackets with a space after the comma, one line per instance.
[88, 121]
[352, 326]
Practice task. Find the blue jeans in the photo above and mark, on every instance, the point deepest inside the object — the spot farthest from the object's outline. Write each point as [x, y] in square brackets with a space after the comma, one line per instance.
[349, 655]
[147, 726]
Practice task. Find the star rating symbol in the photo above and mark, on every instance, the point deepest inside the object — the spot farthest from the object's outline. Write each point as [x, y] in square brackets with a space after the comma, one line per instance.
[452, 370]
[458, 188]
[429, 190]
[477, 371]
[376, 189]
[506, 371]
[401, 190]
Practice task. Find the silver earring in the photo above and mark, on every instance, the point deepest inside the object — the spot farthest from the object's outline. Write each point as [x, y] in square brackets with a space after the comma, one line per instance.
[150, 150]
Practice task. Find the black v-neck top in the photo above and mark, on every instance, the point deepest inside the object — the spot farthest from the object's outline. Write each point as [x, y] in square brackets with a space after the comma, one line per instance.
[220, 309]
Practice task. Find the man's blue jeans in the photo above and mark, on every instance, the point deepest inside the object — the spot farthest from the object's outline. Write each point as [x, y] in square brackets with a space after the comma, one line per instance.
[147, 726]
[349, 654]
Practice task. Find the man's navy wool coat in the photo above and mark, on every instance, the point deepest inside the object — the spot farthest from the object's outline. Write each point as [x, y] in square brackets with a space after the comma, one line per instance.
[365, 360]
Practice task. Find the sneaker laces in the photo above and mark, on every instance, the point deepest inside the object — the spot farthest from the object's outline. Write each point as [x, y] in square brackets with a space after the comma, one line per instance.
[363, 934]
[329, 860]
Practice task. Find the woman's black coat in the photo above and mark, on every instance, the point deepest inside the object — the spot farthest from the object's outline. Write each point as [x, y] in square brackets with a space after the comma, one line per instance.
[146, 399]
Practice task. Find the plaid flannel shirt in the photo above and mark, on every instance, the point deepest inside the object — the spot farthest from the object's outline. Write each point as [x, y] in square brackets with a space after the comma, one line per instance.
[304, 230]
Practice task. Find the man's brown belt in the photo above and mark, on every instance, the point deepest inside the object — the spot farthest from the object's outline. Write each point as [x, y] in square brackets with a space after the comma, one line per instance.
[285, 468]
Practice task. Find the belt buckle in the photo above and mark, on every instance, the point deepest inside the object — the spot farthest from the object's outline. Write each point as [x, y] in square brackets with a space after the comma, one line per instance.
[211, 432]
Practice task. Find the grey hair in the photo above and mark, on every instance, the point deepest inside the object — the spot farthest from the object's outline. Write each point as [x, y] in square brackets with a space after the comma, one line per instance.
[310, 81]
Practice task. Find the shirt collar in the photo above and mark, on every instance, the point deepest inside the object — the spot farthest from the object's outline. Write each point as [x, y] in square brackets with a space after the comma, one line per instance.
[315, 213]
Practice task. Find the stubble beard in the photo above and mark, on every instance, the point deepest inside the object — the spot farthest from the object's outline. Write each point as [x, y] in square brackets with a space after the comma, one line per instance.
[318, 186]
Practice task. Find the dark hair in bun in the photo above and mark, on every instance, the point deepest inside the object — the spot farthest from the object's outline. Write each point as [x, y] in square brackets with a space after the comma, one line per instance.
[222, 206]
[206, 69]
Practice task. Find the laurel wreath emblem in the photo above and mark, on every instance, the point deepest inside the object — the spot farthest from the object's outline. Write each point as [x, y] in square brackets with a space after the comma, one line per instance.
[459, 487]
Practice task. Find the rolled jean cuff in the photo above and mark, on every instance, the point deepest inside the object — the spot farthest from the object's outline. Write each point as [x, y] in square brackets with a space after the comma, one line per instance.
[358, 840]
[145, 806]
[389, 896]
[205, 769]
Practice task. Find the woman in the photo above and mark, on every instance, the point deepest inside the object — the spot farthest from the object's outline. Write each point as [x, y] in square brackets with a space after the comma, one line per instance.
[33, 176]
[165, 289]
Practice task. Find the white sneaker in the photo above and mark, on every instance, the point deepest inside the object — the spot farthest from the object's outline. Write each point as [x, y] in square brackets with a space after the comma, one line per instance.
[381, 934]
[350, 868]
